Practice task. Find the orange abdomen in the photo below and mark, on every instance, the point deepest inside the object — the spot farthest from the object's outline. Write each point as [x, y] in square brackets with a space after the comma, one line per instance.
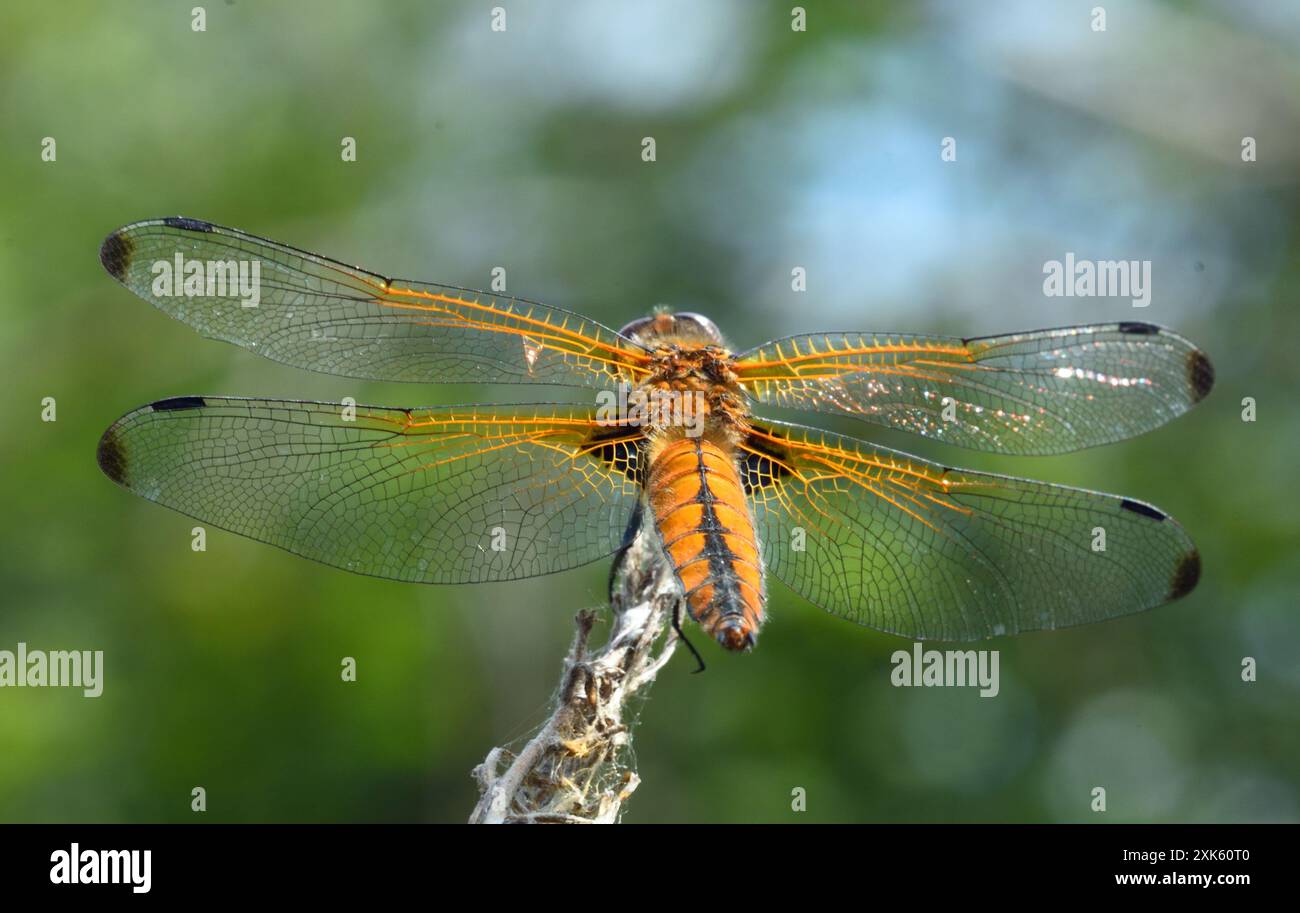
[699, 508]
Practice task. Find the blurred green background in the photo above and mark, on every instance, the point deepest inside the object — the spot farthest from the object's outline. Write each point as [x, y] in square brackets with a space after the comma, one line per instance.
[522, 149]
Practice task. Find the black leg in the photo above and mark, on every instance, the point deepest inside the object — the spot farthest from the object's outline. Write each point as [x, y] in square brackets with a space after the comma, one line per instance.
[677, 626]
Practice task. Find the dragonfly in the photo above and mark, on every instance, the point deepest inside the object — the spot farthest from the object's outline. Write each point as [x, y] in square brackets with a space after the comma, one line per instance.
[670, 444]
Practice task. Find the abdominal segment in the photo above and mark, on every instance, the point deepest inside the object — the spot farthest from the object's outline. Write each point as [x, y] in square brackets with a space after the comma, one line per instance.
[698, 503]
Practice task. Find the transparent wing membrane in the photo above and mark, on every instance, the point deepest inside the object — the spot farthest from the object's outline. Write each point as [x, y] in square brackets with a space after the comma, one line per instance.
[911, 547]
[312, 312]
[440, 495]
[1043, 392]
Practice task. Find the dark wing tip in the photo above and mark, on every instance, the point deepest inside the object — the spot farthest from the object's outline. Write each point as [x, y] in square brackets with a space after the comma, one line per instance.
[1186, 575]
[1200, 374]
[175, 403]
[188, 224]
[116, 253]
[110, 456]
[1188, 571]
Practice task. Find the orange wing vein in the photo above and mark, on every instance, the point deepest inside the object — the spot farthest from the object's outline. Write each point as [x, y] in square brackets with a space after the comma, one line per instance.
[1048, 391]
[891, 541]
[311, 312]
[454, 494]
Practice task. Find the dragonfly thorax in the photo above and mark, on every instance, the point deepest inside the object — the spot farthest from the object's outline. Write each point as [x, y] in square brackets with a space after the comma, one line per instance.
[706, 377]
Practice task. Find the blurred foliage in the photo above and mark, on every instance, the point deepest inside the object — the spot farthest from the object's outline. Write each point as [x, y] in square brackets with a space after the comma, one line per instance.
[522, 148]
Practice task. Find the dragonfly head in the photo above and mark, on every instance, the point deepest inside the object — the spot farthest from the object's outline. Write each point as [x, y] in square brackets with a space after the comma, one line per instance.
[664, 328]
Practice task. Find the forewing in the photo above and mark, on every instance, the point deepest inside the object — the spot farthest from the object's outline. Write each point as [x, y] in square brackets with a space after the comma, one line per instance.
[312, 312]
[442, 495]
[1048, 391]
[906, 546]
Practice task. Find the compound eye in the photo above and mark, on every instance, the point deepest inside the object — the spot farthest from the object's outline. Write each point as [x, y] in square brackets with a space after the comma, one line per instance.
[702, 325]
[638, 330]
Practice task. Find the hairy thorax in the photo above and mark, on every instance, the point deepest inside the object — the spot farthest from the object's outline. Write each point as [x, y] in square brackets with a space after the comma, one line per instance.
[705, 374]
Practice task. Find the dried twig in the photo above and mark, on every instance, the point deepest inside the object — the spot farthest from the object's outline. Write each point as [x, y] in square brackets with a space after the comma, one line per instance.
[579, 768]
